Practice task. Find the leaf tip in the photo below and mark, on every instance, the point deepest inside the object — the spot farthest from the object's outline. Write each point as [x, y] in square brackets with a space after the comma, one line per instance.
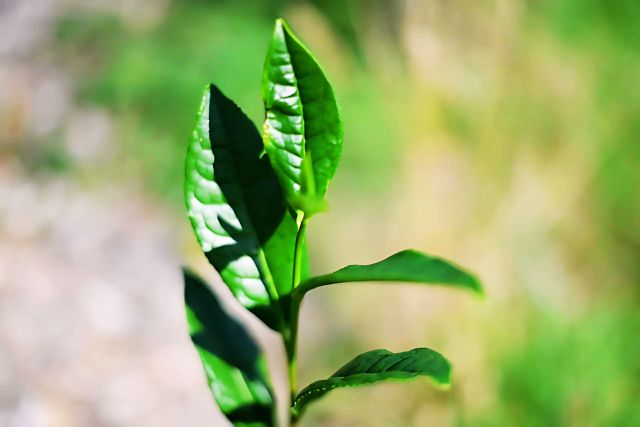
[282, 29]
[443, 386]
[281, 25]
[443, 380]
[477, 288]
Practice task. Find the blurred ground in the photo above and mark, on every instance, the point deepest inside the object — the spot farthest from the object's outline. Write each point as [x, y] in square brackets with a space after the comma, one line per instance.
[500, 134]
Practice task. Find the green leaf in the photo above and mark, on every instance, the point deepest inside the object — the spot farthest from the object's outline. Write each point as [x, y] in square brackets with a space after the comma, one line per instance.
[234, 364]
[237, 208]
[405, 266]
[378, 365]
[303, 131]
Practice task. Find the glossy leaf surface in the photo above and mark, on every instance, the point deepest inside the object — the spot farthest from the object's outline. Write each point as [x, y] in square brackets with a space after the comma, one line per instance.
[375, 366]
[303, 131]
[405, 266]
[234, 364]
[237, 208]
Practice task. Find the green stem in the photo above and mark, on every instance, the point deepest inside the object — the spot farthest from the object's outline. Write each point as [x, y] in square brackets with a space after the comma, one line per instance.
[292, 338]
[297, 254]
[291, 350]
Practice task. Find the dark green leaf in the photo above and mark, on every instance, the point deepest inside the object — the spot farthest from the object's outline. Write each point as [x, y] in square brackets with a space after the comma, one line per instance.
[405, 266]
[378, 365]
[234, 365]
[236, 207]
[303, 130]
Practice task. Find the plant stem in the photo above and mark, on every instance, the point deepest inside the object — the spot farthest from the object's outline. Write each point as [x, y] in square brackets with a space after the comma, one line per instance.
[297, 254]
[292, 339]
[291, 348]
[291, 352]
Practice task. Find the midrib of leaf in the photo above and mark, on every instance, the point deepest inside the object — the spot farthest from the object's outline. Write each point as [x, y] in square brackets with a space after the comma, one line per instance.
[326, 89]
[307, 172]
[261, 261]
[305, 178]
[297, 178]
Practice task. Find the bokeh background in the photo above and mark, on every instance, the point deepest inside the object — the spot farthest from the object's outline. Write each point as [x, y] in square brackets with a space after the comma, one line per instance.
[501, 134]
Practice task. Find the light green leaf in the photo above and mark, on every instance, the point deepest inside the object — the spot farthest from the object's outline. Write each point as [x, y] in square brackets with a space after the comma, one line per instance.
[303, 131]
[237, 209]
[406, 266]
[378, 365]
[234, 365]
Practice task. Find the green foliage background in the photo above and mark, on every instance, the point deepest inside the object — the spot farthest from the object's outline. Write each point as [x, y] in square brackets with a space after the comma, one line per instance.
[501, 134]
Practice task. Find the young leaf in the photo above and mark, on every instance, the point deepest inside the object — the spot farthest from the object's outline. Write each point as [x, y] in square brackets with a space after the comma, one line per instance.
[237, 209]
[405, 266]
[378, 365]
[302, 131]
[234, 365]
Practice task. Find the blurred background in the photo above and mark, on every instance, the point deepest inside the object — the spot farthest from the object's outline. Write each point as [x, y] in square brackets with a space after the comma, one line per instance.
[504, 135]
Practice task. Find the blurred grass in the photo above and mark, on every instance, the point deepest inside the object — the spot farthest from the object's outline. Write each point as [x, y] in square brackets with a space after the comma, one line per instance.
[581, 372]
[521, 142]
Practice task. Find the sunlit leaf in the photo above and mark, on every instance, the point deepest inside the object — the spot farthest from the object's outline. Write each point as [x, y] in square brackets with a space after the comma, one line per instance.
[233, 363]
[375, 366]
[302, 131]
[237, 209]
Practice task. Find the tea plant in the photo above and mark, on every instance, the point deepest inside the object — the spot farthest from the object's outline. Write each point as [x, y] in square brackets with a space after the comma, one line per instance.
[249, 198]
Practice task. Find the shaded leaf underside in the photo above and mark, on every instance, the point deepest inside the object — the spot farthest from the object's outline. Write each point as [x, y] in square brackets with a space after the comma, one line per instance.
[405, 266]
